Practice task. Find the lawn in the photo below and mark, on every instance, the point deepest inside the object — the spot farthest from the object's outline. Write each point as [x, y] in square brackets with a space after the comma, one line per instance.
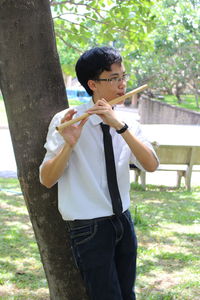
[21, 272]
[188, 101]
[168, 229]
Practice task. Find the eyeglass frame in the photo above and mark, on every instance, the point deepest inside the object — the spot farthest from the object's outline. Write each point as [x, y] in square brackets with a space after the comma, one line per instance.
[125, 77]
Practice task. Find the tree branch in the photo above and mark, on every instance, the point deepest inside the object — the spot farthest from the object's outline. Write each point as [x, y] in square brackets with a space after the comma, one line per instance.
[54, 3]
[82, 16]
[67, 44]
[74, 23]
[64, 29]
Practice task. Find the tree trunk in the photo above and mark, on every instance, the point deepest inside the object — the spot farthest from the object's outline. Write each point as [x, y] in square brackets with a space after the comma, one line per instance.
[197, 99]
[33, 90]
[193, 86]
[176, 90]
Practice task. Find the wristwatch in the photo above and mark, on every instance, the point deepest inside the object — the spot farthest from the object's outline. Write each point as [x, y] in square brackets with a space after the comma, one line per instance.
[123, 129]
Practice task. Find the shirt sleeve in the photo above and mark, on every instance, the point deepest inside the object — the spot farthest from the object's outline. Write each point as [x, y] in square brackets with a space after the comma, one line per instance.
[137, 131]
[54, 141]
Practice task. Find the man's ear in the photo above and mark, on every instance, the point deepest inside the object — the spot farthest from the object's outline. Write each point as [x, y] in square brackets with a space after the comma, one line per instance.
[92, 84]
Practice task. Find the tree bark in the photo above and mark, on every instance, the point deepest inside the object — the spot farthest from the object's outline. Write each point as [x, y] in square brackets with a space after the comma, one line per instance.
[33, 90]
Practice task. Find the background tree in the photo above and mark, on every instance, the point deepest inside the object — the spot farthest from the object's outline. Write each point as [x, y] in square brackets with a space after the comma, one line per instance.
[173, 65]
[159, 40]
[80, 25]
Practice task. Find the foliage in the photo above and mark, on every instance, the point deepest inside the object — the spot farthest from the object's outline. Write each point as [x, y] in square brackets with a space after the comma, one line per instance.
[80, 25]
[159, 40]
[134, 20]
[173, 65]
[168, 252]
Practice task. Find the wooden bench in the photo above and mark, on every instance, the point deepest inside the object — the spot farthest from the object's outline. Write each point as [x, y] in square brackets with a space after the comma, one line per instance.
[182, 159]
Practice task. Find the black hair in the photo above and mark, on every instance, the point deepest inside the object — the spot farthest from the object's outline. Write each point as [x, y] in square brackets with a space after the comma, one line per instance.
[93, 62]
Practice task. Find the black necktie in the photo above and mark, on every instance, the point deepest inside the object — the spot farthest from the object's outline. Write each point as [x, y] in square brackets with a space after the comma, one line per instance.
[111, 170]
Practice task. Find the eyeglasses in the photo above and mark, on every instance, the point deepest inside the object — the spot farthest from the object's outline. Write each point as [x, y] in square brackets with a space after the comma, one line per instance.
[115, 80]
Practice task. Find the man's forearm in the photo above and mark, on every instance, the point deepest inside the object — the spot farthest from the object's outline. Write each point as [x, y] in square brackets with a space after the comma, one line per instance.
[53, 169]
[143, 154]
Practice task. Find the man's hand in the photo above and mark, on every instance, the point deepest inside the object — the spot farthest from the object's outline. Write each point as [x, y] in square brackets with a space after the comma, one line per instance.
[53, 169]
[104, 110]
[71, 133]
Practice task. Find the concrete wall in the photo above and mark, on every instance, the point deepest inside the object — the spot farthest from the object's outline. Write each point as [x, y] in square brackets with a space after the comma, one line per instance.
[157, 112]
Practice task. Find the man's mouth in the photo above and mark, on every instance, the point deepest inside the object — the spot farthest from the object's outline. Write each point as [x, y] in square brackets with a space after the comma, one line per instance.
[120, 94]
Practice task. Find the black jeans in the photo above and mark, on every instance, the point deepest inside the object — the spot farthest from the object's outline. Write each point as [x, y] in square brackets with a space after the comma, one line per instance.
[105, 252]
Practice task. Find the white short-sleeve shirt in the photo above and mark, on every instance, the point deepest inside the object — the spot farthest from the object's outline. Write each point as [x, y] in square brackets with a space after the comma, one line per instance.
[82, 189]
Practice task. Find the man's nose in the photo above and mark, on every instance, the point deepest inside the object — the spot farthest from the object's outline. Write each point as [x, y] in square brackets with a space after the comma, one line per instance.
[122, 82]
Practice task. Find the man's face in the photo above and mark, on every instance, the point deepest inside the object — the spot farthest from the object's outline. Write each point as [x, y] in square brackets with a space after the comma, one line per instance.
[110, 89]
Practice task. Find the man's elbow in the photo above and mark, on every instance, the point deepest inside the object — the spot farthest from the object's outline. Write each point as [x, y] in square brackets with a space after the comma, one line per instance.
[47, 184]
[46, 180]
[152, 167]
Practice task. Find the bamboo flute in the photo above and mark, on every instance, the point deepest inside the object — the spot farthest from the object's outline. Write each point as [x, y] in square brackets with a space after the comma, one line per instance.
[112, 102]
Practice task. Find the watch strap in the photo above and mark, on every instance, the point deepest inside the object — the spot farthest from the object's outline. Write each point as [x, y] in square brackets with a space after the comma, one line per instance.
[123, 129]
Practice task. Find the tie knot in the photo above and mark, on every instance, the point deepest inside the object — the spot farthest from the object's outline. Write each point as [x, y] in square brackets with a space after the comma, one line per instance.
[105, 127]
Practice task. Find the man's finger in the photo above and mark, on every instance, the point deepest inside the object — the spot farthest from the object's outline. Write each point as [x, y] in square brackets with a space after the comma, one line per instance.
[82, 123]
[68, 116]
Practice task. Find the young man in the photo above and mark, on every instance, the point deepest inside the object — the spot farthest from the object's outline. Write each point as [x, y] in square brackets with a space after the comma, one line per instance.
[102, 232]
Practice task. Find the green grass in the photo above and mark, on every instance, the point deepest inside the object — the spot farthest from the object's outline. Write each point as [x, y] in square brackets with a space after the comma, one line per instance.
[168, 229]
[21, 272]
[188, 101]
[74, 102]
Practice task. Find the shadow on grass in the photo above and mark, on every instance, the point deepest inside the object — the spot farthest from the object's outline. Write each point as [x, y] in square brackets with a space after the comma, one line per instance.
[167, 262]
[19, 256]
[166, 224]
[191, 241]
[160, 211]
[9, 188]
[156, 205]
